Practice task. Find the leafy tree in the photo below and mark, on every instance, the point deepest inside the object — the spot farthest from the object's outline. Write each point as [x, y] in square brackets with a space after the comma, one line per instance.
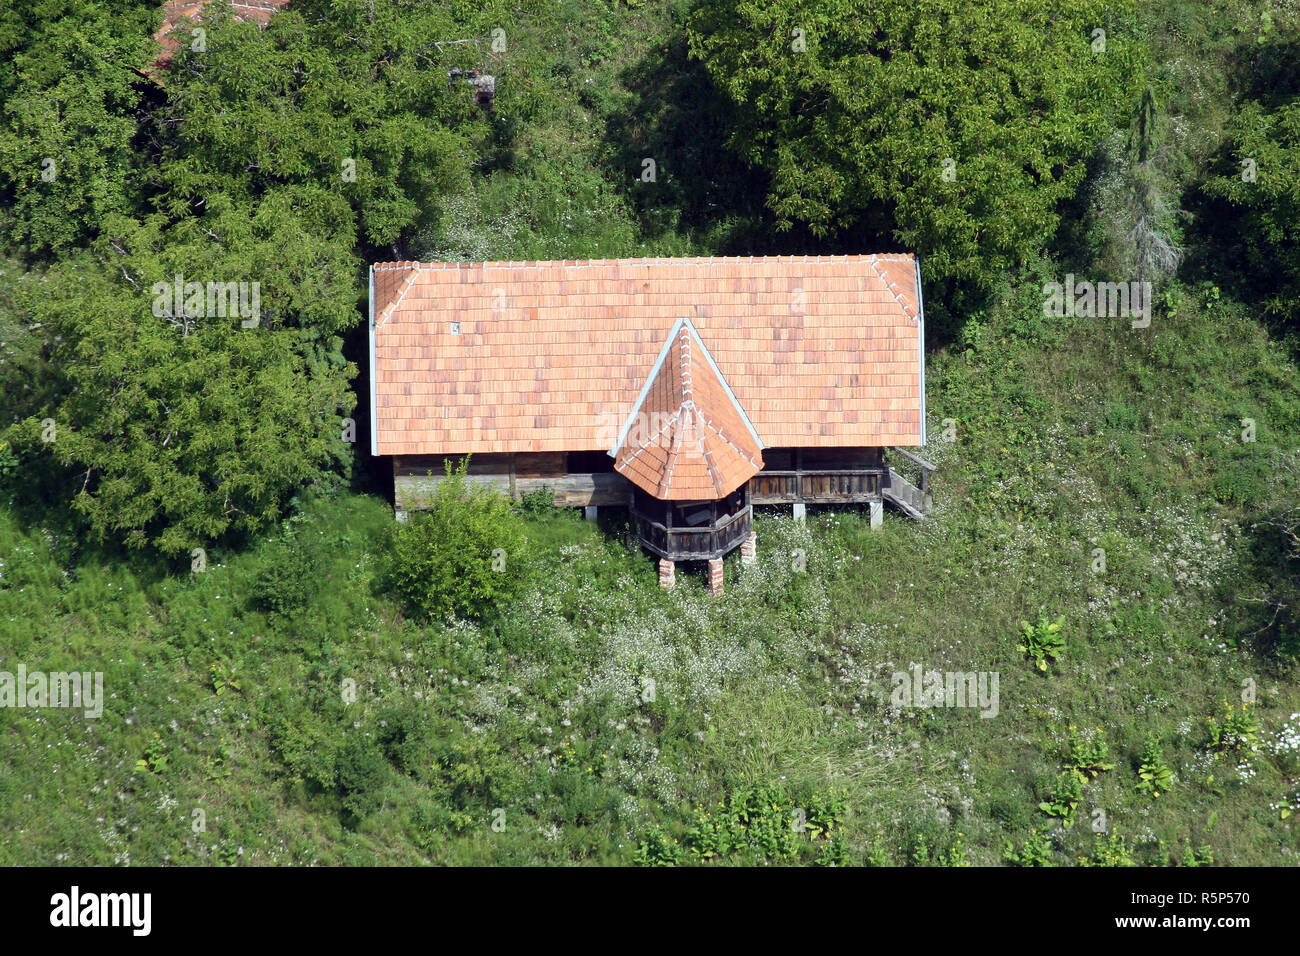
[174, 425]
[349, 96]
[69, 89]
[463, 555]
[1260, 179]
[954, 127]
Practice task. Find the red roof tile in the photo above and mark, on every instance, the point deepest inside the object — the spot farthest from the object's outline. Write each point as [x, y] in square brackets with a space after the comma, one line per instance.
[686, 438]
[552, 356]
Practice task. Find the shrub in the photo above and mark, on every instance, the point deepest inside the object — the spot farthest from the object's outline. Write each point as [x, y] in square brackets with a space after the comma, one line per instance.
[1087, 756]
[362, 773]
[1154, 776]
[1238, 729]
[539, 503]
[288, 582]
[1063, 801]
[1112, 850]
[1042, 641]
[463, 556]
[658, 849]
[1036, 851]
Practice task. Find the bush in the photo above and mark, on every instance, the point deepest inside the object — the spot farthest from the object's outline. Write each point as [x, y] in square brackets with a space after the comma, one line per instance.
[539, 503]
[288, 582]
[362, 772]
[464, 556]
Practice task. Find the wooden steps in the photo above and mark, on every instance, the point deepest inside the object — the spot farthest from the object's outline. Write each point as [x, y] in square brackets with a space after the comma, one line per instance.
[906, 497]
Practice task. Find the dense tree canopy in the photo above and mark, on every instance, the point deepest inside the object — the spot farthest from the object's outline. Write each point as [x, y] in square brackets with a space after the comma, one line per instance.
[279, 159]
[177, 427]
[1262, 182]
[69, 97]
[953, 127]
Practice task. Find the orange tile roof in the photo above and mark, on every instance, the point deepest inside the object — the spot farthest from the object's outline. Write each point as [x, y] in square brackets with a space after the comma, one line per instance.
[552, 356]
[687, 439]
[175, 11]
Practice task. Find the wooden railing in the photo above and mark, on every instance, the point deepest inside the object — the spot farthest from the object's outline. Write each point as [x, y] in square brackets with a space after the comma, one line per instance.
[844, 484]
[912, 498]
[694, 544]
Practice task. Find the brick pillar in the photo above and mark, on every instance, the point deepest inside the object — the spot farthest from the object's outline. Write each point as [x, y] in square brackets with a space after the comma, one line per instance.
[715, 577]
[749, 549]
[667, 574]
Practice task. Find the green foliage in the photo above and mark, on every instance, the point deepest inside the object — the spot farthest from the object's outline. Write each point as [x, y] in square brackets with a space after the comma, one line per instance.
[857, 114]
[223, 679]
[362, 774]
[291, 576]
[658, 849]
[955, 854]
[69, 92]
[765, 824]
[155, 756]
[1042, 641]
[184, 428]
[1257, 177]
[1236, 730]
[1197, 856]
[1063, 800]
[465, 555]
[354, 106]
[538, 503]
[1109, 850]
[1154, 776]
[319, 725]
[1035, 851]
[1087, 755]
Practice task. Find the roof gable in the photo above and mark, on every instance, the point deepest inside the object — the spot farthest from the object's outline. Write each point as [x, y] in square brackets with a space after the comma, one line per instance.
[687, 438]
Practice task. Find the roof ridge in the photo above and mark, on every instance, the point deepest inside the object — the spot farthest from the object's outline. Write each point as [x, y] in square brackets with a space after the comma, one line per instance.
[688, 385]
[892, 287]
[644, 261]
[389, 309]
[738, 450]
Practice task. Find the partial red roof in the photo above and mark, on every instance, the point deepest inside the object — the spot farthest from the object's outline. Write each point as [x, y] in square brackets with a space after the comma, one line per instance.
[687, 439]
[176, 11]
[553, 356]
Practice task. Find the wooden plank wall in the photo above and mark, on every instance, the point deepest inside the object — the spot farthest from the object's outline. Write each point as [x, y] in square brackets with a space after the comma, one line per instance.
[416, 478]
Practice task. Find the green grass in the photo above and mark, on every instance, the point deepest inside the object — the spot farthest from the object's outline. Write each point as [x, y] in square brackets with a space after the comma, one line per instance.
[1108, 438]
[282, 699]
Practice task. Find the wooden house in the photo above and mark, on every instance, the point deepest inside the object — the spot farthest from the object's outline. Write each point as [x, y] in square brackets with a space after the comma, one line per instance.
[684, 390]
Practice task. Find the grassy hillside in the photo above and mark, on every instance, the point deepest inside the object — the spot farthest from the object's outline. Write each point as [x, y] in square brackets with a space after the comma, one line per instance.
[273, 703]
[230, 685]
